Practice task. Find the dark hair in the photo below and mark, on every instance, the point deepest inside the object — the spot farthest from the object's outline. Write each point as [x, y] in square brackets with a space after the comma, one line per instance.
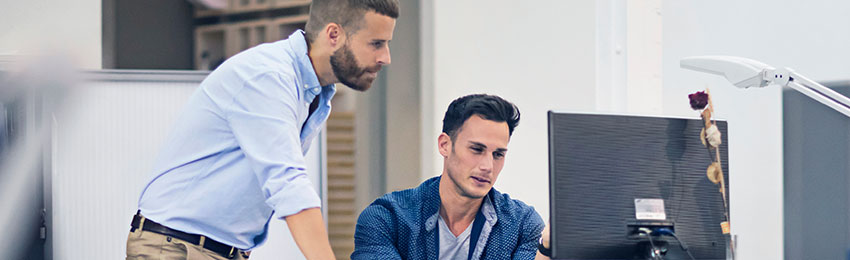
[489, 107]
[347, 13]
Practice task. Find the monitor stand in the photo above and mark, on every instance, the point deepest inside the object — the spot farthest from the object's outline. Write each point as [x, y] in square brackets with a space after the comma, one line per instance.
[648, 252]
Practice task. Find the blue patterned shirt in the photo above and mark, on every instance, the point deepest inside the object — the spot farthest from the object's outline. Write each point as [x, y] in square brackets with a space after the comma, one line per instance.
[403, 225]
[235, 158]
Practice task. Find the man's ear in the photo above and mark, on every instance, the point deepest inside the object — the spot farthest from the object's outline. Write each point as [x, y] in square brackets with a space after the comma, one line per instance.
[336, 35]
[444, 144]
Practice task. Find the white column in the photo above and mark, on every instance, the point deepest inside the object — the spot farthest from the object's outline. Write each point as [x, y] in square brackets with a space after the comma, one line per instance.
[644, 91]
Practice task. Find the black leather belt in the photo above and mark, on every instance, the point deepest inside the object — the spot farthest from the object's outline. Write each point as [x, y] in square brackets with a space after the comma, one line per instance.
[220, 248]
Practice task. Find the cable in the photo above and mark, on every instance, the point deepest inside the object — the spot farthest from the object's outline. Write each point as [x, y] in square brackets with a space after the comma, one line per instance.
[667, 231]
[648, 233]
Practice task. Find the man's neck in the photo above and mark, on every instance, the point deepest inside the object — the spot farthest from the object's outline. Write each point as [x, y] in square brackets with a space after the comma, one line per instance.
[321, 62]
[457, 211]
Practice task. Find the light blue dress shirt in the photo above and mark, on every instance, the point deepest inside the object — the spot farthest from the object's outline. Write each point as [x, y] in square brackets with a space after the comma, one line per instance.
[235, 158]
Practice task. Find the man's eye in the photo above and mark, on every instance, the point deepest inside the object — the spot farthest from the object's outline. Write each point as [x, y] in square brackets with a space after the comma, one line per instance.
[377, 44]
[498, 155]
[477, 150]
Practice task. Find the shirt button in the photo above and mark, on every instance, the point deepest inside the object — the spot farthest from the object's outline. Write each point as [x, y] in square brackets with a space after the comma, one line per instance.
[316, 90]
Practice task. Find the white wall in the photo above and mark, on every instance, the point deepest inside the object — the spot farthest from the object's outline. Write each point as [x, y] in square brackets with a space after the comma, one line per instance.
[538, 56]
[810, 37]
[43, 26]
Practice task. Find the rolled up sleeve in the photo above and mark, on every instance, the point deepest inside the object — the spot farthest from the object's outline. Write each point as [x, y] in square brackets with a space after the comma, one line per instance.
[264, 121]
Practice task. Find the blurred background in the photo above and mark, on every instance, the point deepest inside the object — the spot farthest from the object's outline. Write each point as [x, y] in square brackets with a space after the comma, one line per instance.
[90, 88]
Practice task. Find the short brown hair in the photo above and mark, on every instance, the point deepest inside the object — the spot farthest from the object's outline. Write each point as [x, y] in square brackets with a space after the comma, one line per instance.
[347, 13]
[489, 107]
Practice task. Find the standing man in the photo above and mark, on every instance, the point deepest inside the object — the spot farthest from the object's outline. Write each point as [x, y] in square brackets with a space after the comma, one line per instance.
[457, 215]
[235, 159]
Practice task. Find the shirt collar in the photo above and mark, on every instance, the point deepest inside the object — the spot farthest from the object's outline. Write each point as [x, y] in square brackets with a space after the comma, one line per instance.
[311, 87]
[488, 210]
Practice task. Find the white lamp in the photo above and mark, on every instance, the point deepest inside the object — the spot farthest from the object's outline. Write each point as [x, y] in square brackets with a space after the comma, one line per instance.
[747, 73]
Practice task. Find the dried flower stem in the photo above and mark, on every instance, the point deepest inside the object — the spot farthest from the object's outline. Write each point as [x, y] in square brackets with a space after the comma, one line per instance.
[706, 116]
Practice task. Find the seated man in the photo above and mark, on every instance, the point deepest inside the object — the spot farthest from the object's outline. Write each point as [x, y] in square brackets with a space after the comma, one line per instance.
[457, 215]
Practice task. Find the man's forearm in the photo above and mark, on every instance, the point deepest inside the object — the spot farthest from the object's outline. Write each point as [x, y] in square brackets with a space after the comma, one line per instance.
[308, 230]
[544, 240]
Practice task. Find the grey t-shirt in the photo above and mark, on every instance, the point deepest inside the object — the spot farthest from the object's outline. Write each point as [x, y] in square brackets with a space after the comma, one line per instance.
[452, 247]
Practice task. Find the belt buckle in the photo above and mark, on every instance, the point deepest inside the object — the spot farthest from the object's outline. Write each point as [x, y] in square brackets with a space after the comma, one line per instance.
[231, 255]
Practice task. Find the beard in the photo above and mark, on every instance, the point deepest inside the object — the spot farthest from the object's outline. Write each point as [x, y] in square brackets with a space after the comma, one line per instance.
[462, 189]
[345, 67]
[460, 180]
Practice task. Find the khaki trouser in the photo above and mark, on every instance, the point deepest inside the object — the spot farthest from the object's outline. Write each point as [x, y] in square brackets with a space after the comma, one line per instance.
[144, 245]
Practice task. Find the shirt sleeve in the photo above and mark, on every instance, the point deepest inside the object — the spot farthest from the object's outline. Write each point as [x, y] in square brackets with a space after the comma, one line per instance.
[529, 236]
[263, 118]
[373, 237]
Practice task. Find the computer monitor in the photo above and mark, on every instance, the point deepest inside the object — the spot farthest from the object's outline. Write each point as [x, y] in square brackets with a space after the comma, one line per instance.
[601, 166]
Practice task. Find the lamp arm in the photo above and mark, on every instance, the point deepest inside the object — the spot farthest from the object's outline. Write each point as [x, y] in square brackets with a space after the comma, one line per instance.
[814, 90]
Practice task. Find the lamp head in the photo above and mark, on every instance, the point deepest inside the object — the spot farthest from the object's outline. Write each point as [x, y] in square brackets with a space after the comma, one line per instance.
[741, 72]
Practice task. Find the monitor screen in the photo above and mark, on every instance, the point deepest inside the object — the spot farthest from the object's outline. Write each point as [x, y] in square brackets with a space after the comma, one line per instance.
[611, 172]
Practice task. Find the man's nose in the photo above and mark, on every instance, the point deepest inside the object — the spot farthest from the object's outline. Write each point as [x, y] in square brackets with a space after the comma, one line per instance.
[486, 164]
[384, 56]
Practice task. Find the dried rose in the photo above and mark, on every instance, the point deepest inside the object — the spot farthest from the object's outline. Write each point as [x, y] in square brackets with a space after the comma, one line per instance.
[706, 117]
[714, 172]
[698, 100]
[712, 134]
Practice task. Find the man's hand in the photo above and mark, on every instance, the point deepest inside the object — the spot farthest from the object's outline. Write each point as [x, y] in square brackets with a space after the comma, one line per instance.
[545, 241]
[309, 232]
